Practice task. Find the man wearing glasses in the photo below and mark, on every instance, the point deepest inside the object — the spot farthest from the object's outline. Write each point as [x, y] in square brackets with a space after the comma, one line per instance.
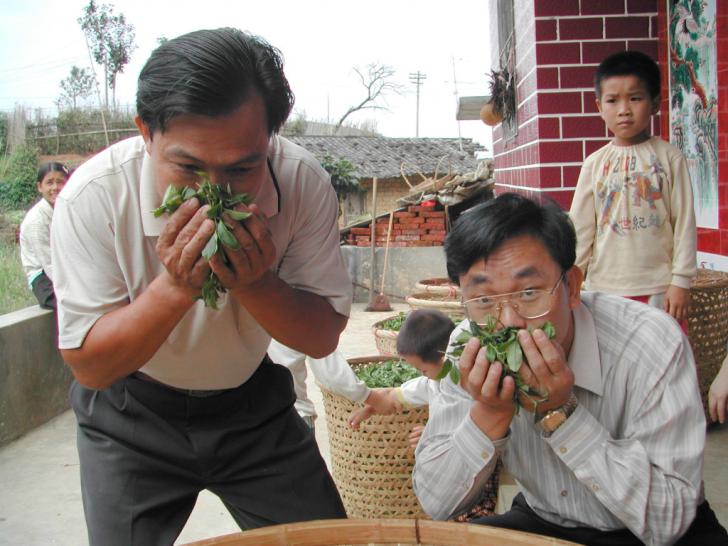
[613, 451]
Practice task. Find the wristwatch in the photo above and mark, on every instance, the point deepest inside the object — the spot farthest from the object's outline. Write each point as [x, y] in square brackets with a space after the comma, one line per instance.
[555, 418]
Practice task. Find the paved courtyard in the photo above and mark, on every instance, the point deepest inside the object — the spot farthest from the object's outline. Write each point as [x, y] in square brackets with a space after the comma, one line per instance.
[41, 500]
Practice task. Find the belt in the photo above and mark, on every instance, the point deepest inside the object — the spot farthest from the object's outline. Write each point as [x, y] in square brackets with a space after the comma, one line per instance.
[194, 393]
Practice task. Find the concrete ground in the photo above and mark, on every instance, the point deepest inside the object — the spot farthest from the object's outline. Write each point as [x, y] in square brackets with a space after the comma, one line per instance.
[41, 500]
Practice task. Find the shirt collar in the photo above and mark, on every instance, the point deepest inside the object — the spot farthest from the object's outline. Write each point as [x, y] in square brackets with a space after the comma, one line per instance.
[584, 355]
[268, 198]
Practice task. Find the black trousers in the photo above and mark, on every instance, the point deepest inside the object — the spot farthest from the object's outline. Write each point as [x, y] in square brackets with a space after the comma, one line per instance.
[705, 529]
[147, 450]
[43, 291]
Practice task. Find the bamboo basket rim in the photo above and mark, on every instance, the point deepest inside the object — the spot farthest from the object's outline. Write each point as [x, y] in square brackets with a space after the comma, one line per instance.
[709, 279]
[385, 332]
[437, 284]
[425, 298]
[334, 532]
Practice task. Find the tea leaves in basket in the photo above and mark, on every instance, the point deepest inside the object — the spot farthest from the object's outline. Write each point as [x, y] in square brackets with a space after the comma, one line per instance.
[391, 373]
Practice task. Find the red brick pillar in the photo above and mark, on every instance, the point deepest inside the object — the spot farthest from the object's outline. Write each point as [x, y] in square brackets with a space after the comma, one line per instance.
[559, 44]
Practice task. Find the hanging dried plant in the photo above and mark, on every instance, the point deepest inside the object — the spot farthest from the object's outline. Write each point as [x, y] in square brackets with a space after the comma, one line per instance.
[502, 98]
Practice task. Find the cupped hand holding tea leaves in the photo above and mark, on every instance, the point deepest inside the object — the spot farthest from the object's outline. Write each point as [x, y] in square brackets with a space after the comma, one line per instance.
[221, 201]
[501, 345]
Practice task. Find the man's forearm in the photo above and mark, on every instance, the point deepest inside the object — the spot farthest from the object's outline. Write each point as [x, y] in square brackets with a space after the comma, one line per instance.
[301, 320]
[123, 340]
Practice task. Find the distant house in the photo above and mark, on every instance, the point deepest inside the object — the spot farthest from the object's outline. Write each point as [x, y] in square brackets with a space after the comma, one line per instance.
[397, 163]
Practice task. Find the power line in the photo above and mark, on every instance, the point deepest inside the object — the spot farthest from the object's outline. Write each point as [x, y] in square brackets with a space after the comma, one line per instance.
[418, 79]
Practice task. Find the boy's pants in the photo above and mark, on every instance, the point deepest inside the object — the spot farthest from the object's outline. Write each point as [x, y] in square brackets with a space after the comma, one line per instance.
[147, 450]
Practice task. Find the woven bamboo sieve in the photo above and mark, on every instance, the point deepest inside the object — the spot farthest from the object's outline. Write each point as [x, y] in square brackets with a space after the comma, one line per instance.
[372, 466]
[386, 340]
[405, 532]
[451, 306]
[439, 285]
[708, 326]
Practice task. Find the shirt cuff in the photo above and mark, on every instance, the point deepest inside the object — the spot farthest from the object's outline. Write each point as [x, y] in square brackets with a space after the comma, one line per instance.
[681, 281]
[474, 446]
[575, 440]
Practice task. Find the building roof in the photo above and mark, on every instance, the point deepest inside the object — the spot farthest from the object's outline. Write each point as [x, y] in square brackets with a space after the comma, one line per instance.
[383, 157]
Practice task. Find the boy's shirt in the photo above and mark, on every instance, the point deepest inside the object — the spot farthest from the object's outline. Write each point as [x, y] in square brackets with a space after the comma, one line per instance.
[419, 391]
[634, 219]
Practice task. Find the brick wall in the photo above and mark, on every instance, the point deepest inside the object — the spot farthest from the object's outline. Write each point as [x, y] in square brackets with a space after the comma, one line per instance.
[417, 226]
[559, 43]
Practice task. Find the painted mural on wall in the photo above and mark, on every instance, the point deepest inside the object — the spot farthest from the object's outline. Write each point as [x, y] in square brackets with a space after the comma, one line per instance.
[694, 99]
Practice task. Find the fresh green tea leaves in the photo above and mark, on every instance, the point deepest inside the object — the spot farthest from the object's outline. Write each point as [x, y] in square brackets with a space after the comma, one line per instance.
[237, 215]
[500, 345]
[226, 236]
[391, 373]
[448, 368]
[395, 323]
[221, 200]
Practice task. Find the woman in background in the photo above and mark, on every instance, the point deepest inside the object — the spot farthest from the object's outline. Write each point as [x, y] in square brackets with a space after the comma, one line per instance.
[35, 231]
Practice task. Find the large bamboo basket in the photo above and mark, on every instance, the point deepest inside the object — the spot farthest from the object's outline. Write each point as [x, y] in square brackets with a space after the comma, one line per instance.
[372, 466]
[405, 532]
[451, 306]
[438, 285]
[708, 326]
[386, 340]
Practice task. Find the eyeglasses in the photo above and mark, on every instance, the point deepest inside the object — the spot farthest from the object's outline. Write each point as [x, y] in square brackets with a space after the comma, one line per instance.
[529, 304]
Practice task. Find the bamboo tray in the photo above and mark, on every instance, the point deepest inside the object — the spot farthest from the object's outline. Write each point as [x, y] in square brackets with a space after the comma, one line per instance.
[336, 532]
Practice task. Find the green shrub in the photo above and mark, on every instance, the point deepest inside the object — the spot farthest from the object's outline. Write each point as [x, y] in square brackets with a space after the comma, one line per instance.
[18, 185]
[14, 291]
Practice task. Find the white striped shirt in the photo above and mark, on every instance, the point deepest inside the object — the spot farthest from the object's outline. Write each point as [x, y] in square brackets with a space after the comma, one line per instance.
[35, 241]
[631, 455]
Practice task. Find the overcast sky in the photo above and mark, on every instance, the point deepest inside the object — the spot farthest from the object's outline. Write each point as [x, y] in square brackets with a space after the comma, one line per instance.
[321, 42]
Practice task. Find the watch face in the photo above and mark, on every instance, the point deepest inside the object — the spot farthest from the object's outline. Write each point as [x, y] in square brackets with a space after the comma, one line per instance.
[553, 421]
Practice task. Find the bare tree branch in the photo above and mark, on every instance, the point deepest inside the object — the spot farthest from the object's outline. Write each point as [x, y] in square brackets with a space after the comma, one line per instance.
[377, 82]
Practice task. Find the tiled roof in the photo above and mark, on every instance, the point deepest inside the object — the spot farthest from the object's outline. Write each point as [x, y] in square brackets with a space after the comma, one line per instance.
[382, 156]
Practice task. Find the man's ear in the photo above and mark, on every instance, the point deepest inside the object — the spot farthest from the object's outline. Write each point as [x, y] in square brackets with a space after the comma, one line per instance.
[146, 133]
[574, 279]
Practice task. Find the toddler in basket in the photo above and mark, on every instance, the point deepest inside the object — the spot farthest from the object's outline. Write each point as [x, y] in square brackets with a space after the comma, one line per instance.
[422, 342]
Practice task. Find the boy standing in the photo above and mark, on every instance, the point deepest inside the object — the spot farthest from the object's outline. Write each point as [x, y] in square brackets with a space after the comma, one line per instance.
[633, 205]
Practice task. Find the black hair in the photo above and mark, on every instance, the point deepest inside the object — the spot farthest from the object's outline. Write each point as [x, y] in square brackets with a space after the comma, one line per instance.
[50, 167]
[481, 230]
[425, 333]
[629, 63]
[211, 73]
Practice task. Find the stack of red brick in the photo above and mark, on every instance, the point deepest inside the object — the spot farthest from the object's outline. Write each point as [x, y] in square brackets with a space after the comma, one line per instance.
[417, 226]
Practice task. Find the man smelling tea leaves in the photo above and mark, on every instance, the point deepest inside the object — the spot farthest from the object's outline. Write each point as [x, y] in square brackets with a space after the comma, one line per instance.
[221, 201]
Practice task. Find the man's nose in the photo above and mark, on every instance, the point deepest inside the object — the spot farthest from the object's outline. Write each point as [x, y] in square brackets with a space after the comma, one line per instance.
[509, 316]
[624, 107]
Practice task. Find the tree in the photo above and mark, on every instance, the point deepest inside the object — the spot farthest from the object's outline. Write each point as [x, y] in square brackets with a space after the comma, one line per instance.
[343, 178]
[111, 42]
[78, 85]
[377, 82]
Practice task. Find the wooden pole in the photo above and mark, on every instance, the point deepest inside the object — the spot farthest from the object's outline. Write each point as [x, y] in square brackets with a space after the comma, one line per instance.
[373, 234]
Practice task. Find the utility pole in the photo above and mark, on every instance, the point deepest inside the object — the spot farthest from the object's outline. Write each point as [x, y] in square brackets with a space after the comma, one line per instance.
[417, 78]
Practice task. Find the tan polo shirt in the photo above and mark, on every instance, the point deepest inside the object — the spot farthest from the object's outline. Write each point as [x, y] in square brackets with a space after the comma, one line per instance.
[104, 256]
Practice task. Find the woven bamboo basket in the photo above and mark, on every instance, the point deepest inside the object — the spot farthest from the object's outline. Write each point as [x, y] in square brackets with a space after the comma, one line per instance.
[386, 340]
[439, 285]
[708, 326]
[405, 532]
[372, 466]
[449, 305]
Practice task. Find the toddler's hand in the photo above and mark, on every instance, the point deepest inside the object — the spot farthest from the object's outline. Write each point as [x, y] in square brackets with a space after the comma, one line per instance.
[677, 302]
[359, 415]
